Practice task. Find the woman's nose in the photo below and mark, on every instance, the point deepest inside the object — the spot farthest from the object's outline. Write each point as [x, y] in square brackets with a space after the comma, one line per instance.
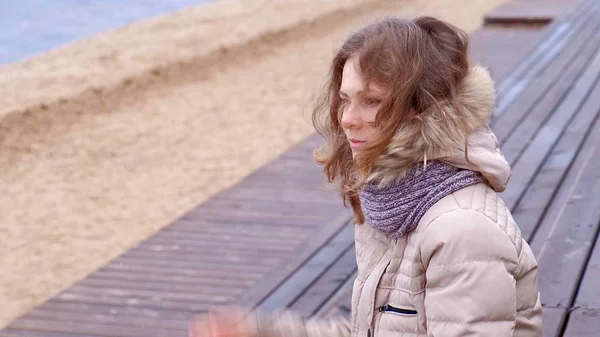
[350, 118]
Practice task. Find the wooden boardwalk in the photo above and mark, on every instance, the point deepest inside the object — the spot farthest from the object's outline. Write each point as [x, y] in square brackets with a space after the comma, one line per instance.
[279, 239]
[236, 247]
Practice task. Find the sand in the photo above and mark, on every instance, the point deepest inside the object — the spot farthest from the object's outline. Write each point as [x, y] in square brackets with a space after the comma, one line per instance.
[108, 139]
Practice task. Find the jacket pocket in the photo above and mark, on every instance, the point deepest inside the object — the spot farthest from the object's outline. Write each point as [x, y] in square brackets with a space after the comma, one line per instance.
[397, 310]
[395, 320]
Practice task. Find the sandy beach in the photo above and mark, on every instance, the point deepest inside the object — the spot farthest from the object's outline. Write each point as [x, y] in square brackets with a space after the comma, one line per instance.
[106, 140]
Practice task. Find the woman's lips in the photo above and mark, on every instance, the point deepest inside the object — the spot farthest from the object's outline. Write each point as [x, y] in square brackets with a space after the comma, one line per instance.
[355, 143]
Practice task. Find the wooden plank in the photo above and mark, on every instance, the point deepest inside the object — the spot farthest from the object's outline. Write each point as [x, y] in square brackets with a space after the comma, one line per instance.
[305, 220]
[528, 12]
[269, 194]
[540, 19]
[193, 288]
[501, 49]
[289, 167]
[173, 267]
[283, 170]
[94, 329]
[532, 158]
[199, 226]
[553, 321]
[279, 245]
[110, 319]
[170, 279]
[126, 311]
[324, 288]
[157, 244]
[235, 213]
[546, 90]
[564, 194]
[282, 207]
[583, 323]
[565, 250]
[341, 301]
[239, 258]
[10, 332]
[262, 290]
[554, 32]
[134, 302]
[526, 129]
[59, 318]
[588, 294]
[179, 272]
[199, 251]
[231, 256]
[239, 262]
[513, 85]
[175, 295]
[205, 229]
[284, 295]
[307, 181]
[539, 193]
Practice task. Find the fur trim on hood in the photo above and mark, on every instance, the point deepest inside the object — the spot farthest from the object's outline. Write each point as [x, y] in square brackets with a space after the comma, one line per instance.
[454, 133]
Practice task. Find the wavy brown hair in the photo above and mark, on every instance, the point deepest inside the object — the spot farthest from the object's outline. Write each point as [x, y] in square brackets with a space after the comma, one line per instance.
[420, 63]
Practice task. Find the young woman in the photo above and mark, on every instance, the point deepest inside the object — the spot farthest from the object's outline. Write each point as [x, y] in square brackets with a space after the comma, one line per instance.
[404, 119]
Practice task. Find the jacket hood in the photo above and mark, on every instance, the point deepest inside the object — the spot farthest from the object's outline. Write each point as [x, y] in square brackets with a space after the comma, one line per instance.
[455, 132]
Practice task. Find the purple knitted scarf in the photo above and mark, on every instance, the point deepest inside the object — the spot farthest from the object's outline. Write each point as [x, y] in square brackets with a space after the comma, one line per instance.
[397, 209]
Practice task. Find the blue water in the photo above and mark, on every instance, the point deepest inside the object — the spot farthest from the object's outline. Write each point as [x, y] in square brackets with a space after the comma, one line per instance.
[30, 27]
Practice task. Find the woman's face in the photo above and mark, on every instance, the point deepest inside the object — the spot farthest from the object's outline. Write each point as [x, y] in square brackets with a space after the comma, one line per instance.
[359, 107]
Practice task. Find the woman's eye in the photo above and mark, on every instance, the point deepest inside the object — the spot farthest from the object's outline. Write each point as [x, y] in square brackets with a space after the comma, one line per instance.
[344, 102]
[372, 102]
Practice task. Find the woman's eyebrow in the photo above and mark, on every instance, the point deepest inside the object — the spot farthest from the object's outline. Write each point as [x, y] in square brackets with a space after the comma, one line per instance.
[358, 93]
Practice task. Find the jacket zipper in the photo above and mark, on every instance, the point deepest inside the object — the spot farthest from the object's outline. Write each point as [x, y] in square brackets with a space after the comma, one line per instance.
[389, 308]
[380, 267]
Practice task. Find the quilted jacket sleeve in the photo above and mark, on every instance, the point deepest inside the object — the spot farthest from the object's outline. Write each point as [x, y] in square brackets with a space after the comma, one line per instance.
[470, 265]
[288, 324]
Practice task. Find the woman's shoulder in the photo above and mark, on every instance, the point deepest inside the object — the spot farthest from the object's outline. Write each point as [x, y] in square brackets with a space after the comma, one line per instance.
[478, 198]
[474, 214]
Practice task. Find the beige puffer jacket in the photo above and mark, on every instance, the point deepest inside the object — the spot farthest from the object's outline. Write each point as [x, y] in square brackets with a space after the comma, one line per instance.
[464, 271]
